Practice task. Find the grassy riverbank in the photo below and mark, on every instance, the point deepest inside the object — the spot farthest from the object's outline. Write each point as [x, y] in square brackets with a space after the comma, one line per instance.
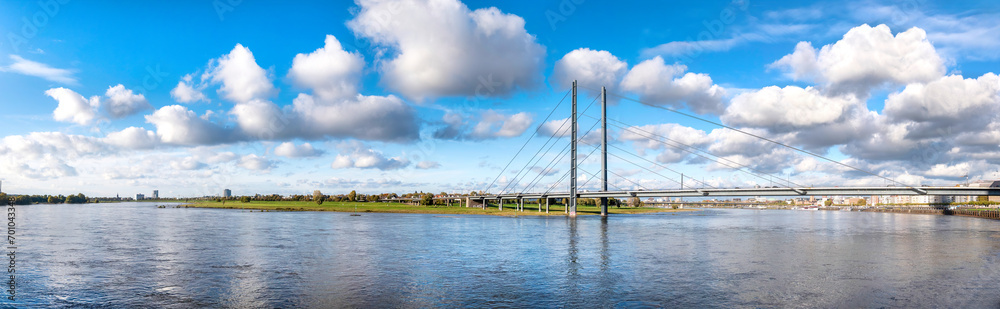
[508, 209]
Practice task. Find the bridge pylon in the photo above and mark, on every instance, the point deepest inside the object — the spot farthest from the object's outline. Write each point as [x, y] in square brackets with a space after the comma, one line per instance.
[572, 168]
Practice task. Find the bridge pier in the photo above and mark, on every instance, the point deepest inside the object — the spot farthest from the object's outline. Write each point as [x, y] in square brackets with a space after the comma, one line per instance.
[469, 202]
[501, 204]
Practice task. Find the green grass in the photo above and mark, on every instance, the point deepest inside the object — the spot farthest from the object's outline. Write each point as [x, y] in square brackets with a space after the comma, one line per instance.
[508, 209]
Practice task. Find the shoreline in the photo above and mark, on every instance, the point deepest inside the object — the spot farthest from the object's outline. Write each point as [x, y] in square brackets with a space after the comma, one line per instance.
[375, 207]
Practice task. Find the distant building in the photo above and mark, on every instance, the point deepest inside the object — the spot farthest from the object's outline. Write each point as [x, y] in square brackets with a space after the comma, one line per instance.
[227, 193]
[156, 194]
[139, 196]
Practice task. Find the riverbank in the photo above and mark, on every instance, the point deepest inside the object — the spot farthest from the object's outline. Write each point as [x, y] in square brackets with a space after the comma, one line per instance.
[508, 209]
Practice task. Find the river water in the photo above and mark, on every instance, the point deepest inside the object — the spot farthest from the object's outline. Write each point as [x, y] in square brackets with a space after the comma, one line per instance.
[137, 255]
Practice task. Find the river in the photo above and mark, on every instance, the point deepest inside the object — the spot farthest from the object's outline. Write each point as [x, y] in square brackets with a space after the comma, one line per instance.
[137, 255]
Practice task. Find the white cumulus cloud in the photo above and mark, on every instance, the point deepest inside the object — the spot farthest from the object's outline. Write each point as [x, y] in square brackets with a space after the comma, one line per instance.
[354, 154]
[790, 106]
[186, 91]
[658, 83]
[866, 57]
[444, 49]
[256, 163]
[242, 79]
[487, 124]
[176, 124]
[73, 107]
[290, 150]
[330, 72]
[133, 138]
[122, 102]
[590, 68]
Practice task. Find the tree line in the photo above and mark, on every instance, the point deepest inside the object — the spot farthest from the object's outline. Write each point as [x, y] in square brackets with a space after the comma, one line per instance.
[45, 199]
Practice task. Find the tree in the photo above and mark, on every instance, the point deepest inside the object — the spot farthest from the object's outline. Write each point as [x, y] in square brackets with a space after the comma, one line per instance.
[828, 202]
[318, 197]
[427, 199]
[352, 196]
[245, 199]
[635, 202]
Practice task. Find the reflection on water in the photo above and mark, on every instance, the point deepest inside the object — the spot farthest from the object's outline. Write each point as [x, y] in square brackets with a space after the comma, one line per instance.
[133, 254]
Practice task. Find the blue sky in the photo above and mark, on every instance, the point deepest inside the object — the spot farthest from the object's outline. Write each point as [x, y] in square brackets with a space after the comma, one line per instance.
[190, 97]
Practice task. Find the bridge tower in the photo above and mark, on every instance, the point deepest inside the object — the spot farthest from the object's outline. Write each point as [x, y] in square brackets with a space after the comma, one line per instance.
[572, 156]
[604, 150]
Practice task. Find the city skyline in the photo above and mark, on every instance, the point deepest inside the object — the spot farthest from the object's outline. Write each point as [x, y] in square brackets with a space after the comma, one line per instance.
[383, 96]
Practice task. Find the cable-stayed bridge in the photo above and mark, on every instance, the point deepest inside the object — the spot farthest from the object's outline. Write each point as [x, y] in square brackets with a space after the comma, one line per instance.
[694, 187]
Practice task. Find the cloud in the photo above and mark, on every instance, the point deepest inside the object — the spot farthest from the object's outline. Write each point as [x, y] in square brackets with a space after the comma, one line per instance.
[426, 165]
[44, 155]
[330, 72]
[187, 164]
[262, 120]
[175, 124]
[590, 68]
[122, 102]
[785, 109]
[556, 128]
[866, 57]
[951, 103]
[380, 118]
[186, 93]
[37, 69]
[949, 171]
[256, 163]
[686, 48]
[49, 168]
[133, 138]
[336, 110]
[40, 144]
[488, 124]
[73, 107]
[658, 136]
[444, 49]
[290, 150]
[658, 83]
[354, 154]
[971, 34]
[242, 79]
[212, 157]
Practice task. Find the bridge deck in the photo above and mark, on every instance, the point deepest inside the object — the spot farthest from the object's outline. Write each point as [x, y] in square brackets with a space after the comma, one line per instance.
[820, 191]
